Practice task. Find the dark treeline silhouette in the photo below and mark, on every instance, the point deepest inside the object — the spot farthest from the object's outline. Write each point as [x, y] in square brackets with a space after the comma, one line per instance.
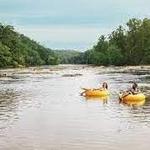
[18, 50]
[124, 46]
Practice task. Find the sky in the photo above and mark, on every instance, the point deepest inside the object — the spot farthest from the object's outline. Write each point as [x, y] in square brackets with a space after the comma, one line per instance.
[70, 24]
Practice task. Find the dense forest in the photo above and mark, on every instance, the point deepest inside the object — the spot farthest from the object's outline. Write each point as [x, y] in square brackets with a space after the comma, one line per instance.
[18, 50]
[129, 45]
[67, 56]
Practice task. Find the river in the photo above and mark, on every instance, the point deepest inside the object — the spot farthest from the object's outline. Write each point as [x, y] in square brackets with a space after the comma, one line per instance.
[41, 109]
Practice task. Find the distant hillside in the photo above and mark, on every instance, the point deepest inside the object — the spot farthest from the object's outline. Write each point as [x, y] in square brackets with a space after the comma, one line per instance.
[67, 56]
[18, 50]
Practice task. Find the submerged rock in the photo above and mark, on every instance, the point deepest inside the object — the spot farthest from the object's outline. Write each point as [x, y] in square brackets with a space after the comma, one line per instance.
[3, 75]
[72, 75]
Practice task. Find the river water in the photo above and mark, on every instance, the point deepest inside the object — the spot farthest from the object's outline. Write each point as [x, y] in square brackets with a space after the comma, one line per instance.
[41, 109]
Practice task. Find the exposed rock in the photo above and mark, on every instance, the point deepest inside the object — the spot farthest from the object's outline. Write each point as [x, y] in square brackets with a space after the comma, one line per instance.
[71, 75]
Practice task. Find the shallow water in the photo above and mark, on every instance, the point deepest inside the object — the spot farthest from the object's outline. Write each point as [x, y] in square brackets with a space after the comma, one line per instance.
[42, 110]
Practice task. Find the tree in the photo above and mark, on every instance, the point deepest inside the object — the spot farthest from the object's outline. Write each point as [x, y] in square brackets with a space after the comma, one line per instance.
[5, 56]
[115, 56]
[102, 44]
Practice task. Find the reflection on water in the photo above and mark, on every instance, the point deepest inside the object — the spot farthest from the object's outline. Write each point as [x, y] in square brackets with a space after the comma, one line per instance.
[42, 109]
[104, 100]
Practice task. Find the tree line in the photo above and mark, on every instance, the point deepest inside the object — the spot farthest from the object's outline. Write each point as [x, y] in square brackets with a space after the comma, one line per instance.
[67, 56]
[129, 45]
[18, 50]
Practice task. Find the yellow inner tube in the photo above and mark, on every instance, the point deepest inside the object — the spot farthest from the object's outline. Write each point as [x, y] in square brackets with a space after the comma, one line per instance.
[134, 103]
[132, 98]
[98, 93]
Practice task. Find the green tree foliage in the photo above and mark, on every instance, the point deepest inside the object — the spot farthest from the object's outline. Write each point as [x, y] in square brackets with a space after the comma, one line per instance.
[5, 56]
[68, 56]
[114, 56]
[102, 44]
[124, 46]
[17, 49]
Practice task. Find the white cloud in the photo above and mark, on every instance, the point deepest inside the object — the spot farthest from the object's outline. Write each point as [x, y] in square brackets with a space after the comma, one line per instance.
[84, 36]
[78, 23]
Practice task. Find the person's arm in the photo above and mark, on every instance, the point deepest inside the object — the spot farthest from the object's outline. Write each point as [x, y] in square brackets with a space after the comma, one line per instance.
[136, 91]
[99, 89]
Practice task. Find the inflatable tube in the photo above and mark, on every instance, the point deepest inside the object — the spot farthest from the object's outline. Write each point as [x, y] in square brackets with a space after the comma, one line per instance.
[134, 103]
[132, 98]
[96, 93]
[97, 98]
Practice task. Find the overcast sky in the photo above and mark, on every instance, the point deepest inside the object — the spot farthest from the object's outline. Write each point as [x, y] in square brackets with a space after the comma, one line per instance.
[70, 24]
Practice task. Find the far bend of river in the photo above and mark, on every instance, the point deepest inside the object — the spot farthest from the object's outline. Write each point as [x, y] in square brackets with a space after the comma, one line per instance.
[41, 109]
